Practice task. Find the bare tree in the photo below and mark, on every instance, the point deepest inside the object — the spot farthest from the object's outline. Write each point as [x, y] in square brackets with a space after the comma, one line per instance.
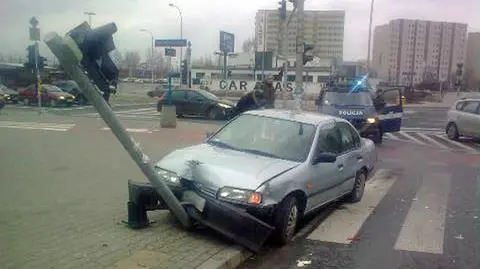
[248, 45]
[132, 59]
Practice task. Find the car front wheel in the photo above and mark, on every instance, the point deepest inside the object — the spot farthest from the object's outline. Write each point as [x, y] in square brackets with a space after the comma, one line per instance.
[286, 219]
[452, 131]
[358, 188]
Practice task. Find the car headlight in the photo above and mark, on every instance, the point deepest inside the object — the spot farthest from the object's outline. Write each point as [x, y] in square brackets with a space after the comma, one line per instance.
[61, 97]
[371, 120]
[246, 196]
[224, 105]
[168, 176]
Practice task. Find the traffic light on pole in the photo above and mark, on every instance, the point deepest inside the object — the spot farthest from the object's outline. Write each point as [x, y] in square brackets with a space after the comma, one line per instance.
[95, 45]
[41, 62]
[306, 56]
[283, 9]
[30, 57]
[184, 70]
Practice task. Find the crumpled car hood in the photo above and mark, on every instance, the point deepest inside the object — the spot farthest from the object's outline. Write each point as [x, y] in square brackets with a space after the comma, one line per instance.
[216, 167]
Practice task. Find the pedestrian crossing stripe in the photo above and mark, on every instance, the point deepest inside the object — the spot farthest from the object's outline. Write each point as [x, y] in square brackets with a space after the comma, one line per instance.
[343, 225]
[434, 139]
[423, 229]
[60, 127]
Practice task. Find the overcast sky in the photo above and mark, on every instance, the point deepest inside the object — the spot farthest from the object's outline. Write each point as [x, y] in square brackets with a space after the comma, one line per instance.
[202, 20]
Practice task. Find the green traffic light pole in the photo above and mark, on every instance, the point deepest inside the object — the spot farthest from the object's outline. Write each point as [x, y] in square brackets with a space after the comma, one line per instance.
[69, 56]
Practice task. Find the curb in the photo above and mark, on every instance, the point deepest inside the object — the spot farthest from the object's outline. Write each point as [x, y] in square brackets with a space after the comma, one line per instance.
[229, 258]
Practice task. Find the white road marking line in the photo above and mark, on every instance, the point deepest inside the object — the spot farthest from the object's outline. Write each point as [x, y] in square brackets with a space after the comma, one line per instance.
[433, 141]
[457, 144]
[391, 136]
[134, 111]
[343, 225]
[421, 129]
[131, 130]
[35, 128]
[412, 138]
[423, 229]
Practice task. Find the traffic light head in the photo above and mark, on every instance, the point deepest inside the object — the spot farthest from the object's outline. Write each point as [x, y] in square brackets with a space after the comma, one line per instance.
[95, 45]
[30, 56]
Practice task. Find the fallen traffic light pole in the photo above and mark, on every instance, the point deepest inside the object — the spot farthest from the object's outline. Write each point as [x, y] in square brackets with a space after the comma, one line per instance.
[83, 53]
[85, 50]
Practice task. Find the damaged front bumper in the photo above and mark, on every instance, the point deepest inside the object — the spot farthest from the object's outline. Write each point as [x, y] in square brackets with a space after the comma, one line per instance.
[240, 224]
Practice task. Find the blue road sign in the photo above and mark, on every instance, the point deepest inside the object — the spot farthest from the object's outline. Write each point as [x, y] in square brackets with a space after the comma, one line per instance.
[170, 42]
[227, 42]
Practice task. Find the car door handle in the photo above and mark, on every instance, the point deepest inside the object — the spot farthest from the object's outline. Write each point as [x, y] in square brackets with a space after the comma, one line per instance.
[340, 167]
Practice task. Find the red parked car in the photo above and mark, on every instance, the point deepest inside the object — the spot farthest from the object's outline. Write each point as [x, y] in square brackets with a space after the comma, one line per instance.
[51, 96]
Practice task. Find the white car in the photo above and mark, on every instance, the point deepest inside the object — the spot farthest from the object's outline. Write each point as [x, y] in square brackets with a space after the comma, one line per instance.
[463, 118]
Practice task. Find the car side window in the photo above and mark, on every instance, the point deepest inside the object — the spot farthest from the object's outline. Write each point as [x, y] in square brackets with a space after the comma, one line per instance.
[328, 141]
[470, 107]
[346, 136]
[459, 105]
[178, 95]
[195, 96]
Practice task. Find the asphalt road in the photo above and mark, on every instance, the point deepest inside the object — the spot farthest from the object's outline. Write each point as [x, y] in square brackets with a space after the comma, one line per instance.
[64, 180]
[63, 194]
[427, 216]
[425, 117]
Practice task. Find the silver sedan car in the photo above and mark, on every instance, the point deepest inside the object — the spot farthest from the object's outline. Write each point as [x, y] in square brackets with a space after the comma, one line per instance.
[276, 165]
[463, 118]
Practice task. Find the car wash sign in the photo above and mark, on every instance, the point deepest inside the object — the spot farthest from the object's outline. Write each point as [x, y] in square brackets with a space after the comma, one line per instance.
[244, 85]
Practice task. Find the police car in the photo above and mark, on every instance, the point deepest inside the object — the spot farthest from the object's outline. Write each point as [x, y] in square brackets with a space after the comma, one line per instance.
[372, 113]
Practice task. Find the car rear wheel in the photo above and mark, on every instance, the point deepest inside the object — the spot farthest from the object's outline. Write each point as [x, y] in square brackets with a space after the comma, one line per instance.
[26, 102]
[286, 219]
[452, 131]
[358, 188]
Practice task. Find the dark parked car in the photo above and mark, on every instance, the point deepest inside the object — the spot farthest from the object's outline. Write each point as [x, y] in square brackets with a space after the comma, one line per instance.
[197, 103]
[51, 96]
[72, 88]
[9, 95]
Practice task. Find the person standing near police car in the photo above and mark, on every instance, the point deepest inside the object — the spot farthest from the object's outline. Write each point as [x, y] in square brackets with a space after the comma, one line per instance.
[269, 92]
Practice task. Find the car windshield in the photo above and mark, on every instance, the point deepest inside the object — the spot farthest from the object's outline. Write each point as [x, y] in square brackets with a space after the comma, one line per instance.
[208, 95]
[52, 88]
[344, 98]
[266, 136]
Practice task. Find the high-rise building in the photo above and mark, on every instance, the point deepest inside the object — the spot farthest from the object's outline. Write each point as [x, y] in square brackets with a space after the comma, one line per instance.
[411, 51]
[472, 68]
[323, 29]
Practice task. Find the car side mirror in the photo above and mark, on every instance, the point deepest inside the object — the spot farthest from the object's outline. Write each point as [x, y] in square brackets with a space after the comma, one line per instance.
[208, 134]
[325, 158]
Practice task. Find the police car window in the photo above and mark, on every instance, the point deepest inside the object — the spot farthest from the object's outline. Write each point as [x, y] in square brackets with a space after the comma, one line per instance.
[346, 136]
[328, 141]
[347, 98]
[391, 97]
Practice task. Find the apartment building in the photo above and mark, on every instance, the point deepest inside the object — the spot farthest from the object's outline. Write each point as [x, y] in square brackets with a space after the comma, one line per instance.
[472, 67]
[323, 29]
[410, 51]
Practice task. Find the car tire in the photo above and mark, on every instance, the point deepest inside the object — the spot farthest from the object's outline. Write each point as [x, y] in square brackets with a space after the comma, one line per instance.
[452, 131]
[358, 188]
[26, 102]
[286, 220]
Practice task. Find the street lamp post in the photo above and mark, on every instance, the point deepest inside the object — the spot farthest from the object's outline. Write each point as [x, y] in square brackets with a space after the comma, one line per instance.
[90, 14]
[152, 53]
[370, 35]
[181, 37]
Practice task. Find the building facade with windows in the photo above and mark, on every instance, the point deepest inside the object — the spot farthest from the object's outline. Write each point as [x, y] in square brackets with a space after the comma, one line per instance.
[411, 51]
[472, 67]
[323, 29]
